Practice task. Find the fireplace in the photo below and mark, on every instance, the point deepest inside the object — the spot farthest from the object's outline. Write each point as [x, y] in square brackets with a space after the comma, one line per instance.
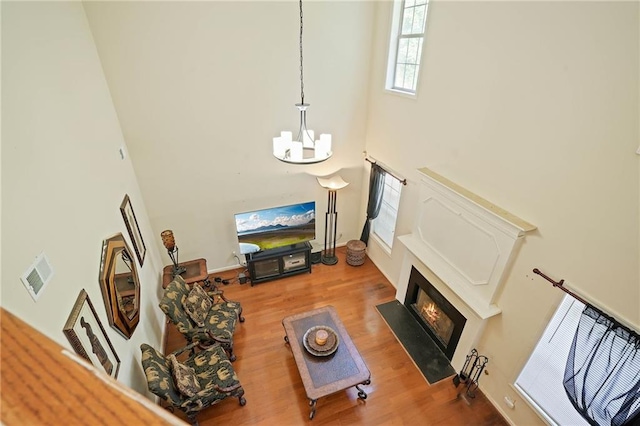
[435, 314]
[463, 246]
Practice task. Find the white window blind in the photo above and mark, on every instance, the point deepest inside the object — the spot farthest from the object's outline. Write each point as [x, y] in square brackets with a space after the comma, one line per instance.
[540, 380]
[384, 226]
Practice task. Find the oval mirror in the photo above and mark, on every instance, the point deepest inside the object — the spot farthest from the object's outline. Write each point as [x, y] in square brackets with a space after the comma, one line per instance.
[120, 285]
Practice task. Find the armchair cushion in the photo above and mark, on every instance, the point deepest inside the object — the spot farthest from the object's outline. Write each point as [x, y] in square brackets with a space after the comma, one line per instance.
[197, 305]
[219, 323]
[185, 377]
[157, 369]
[212, 370]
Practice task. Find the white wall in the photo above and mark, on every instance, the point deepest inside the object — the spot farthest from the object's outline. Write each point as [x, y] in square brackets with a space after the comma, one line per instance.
[62, 177]
[533, 106]
[201, 88]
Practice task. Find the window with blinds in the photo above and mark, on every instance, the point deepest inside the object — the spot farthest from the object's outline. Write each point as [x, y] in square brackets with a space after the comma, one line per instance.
[541, 380]
[384, 226]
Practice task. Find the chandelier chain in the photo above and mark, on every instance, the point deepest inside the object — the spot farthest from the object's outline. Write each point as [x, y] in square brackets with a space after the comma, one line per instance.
[305, 149]
[301, 66]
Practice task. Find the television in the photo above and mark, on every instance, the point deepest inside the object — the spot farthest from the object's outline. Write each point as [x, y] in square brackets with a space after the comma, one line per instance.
[275, 227]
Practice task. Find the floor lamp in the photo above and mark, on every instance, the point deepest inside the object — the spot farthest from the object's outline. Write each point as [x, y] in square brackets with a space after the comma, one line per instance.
[333, 184]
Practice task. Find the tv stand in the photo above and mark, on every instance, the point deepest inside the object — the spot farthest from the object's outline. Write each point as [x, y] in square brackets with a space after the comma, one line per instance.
[279, 262]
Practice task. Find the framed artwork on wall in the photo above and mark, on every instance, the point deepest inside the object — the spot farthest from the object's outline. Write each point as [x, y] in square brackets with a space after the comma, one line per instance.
[88, 338]
[134, 230]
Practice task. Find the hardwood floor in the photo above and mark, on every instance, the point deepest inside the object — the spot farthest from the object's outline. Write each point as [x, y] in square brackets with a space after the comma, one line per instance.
[398, 393]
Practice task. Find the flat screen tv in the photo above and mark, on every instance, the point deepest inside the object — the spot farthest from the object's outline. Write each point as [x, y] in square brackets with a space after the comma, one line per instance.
[276, 227]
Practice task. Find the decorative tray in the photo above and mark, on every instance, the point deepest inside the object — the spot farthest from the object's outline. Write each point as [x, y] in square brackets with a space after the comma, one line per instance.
[309, 341]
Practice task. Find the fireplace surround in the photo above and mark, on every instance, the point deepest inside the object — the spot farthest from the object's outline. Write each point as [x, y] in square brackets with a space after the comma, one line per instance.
[435, 314]
[463, 245]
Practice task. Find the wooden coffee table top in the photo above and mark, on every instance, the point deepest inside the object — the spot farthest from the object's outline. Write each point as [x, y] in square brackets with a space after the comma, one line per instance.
[324, 375]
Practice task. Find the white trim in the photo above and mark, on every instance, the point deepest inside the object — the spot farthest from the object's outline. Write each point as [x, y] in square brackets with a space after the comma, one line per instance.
[381, 243]
[393, 44]
[532, 404]
[467, 242]
[401, 93]
[483, 309]
[392, 54]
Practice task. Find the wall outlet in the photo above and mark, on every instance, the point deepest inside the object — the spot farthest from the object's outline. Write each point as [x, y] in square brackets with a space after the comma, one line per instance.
[511, 403]
[239, 257]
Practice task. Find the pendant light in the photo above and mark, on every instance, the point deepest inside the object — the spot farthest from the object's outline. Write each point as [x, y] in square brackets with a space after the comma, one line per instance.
[303, 150]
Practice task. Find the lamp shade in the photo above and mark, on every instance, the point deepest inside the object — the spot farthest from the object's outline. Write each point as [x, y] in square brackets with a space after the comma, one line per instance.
[333, 183]
[167, 239]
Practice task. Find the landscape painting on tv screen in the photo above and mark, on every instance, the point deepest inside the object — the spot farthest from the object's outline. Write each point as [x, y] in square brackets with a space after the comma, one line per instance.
[276, 227]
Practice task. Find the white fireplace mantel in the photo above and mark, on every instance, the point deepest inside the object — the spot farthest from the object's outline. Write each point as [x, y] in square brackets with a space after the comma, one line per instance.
[465, 240]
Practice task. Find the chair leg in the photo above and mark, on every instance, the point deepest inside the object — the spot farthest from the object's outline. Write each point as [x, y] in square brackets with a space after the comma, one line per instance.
[230, 354]
[193, 420]
[193, 349]
[240, 317]
[240, 395]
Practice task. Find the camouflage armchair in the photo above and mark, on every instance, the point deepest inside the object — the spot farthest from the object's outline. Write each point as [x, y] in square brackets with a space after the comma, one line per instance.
[201, 316]
[210, 378]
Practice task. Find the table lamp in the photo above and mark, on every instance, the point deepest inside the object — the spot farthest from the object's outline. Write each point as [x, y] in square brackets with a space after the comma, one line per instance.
[170, 244]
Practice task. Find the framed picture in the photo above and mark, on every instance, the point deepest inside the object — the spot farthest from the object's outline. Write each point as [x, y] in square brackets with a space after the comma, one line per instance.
[88, 338]
[134, 230]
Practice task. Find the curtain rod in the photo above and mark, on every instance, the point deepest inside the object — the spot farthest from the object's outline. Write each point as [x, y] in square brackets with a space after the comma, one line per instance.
[627, 325]
[560, 285]
[373, 161]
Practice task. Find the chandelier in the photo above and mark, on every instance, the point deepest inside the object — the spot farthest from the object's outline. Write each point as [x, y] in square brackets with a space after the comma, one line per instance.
[303, 150]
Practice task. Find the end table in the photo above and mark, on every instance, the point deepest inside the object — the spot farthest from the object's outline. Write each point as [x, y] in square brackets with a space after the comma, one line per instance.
[196, 271]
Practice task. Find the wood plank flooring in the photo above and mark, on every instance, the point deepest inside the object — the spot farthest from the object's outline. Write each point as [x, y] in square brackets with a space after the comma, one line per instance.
[398, 393]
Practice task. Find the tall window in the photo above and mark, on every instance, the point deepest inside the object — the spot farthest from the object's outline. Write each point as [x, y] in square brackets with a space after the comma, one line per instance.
[584, 370]
[405, 52]
[540, 381]
[384, 226]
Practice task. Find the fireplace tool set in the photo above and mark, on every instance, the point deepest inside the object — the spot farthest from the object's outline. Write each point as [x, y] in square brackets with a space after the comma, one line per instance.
[470, 373]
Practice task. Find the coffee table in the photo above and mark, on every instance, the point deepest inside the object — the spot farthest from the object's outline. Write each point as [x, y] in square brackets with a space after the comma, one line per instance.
[196, 271]
[325, 375]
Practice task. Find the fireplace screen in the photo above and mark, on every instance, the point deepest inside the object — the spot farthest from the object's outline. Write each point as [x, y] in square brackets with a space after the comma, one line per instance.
[434, 317]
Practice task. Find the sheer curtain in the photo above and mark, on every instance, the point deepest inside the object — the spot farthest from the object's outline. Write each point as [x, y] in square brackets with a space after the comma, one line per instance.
[376, 187]
[602, 374]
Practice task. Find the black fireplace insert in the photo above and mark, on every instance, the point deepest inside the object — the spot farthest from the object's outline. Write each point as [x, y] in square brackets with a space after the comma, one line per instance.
[437, 316]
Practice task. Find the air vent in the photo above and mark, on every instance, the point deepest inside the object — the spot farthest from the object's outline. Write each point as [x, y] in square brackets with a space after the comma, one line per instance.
[37, 276]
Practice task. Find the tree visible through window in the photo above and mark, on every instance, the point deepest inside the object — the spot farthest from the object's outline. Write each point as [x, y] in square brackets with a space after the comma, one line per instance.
[384, 226]
[406, 45]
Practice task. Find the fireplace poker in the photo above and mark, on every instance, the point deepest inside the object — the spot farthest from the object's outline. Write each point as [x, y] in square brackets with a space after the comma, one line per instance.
[463, 376]
[474, 375]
